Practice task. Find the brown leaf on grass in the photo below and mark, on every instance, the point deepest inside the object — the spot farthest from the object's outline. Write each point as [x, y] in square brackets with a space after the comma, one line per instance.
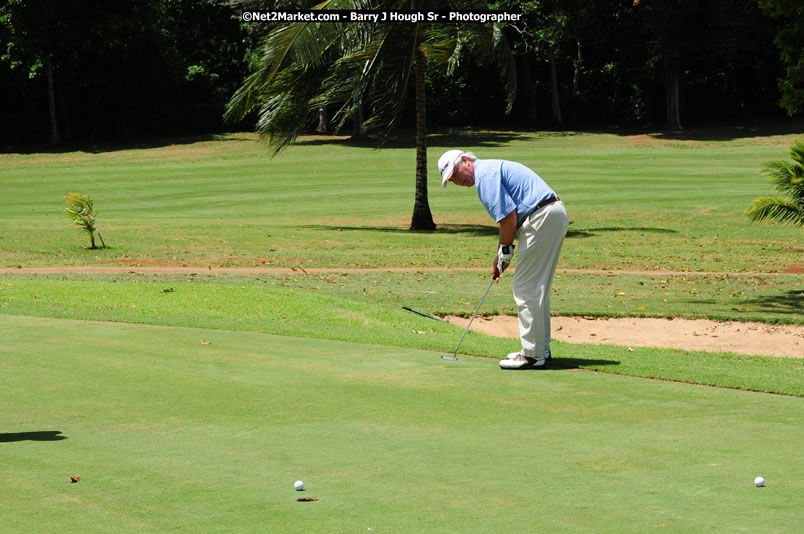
[205, 342]
[73, 480]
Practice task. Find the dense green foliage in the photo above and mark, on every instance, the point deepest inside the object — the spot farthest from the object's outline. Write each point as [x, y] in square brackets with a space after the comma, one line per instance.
[91, 70]
[118, 69]
[790, 41]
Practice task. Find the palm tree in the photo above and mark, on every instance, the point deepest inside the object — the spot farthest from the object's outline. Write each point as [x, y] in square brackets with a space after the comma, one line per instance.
[304, 67]
[788, 178]
[81, 212]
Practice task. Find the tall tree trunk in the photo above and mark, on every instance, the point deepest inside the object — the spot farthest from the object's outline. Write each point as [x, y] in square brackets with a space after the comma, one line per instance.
[554, 88]
[322, 121]
[65, 114]
[358, 131]
[530, 94]
[672, 64]
[55, 138]
[576, 82]
[422, 218]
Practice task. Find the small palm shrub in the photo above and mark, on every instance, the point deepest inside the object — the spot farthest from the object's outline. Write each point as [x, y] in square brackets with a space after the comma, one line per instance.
[80, 211]
[788, 179]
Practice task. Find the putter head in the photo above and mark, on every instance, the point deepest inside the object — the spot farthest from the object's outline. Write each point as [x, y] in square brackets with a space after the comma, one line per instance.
[450, 357]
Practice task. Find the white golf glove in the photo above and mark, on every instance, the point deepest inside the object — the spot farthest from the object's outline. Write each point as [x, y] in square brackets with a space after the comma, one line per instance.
[504, 256]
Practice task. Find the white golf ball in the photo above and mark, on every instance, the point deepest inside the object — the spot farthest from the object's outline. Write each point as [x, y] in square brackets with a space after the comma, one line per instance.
[299, 485]
[759, 482]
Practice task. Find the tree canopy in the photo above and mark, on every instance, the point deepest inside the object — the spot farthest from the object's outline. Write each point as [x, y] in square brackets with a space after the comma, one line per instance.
[92, 70]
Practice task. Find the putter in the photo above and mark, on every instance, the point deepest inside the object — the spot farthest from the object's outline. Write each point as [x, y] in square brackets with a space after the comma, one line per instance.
[454, 356]
[425, 315]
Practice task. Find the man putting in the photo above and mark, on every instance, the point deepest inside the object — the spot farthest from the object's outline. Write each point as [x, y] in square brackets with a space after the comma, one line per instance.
[527, 208]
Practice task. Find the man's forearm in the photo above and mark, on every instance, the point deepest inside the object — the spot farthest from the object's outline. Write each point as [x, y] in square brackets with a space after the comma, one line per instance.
[508, 229]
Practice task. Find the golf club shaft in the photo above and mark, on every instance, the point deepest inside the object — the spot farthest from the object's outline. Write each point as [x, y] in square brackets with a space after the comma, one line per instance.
[473, 317]
[424, 314]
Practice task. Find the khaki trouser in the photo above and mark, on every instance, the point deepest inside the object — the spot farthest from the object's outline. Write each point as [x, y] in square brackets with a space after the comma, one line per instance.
[540, 238]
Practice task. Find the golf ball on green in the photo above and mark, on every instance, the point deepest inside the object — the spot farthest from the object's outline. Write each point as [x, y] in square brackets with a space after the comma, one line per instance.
[299, 485]
[759, 482]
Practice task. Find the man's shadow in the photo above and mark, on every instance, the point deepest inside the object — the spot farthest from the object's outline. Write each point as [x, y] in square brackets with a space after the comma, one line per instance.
[47, 435]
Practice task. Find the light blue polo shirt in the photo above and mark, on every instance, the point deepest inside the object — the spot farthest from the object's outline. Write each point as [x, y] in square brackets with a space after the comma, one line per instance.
[504, 186]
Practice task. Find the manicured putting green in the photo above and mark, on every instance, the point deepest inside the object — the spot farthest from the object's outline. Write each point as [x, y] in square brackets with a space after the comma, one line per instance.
[203, 430]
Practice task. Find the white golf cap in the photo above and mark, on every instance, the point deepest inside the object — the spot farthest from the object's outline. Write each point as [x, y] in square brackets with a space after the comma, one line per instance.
[446, 164]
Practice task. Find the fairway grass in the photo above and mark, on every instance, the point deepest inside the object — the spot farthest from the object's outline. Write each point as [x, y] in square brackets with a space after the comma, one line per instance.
[635, 202]
[372, 314]
[191, 403]
[169, 433]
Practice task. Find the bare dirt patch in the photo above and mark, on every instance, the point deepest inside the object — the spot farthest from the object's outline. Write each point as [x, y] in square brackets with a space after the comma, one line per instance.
[686, 334]
[141, 262]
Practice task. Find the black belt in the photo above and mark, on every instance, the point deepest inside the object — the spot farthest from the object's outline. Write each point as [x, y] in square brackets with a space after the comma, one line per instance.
[544, 203]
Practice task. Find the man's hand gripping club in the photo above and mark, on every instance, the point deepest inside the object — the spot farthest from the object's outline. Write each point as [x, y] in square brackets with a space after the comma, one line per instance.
[506, 250]
[503, 259]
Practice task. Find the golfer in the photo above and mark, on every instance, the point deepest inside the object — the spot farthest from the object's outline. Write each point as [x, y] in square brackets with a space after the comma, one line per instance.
[527, 208]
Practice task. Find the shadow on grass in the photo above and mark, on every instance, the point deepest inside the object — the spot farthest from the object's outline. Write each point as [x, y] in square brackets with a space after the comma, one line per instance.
[571, 364]
[592, 232]
[568, 364]
[467, 229]
[458, 138]
[747, 130]
[479, 230]
[407, 139]
[48, 435]
[790, 302]
[468, 138]
[117, 146]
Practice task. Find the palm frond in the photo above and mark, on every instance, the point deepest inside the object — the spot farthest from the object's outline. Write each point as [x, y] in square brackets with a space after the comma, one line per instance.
[439, 42]
[285, 109]
[785, 176]
[274, 50]
[304, 67]
[390, 78]
[80, 211]
[788, 177]
[777, 209]
[307, 43]
[797, 152]
[350, 77]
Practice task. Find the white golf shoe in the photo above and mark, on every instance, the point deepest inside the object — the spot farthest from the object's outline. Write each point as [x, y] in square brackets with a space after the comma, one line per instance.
[527, 363]
[512, 355]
